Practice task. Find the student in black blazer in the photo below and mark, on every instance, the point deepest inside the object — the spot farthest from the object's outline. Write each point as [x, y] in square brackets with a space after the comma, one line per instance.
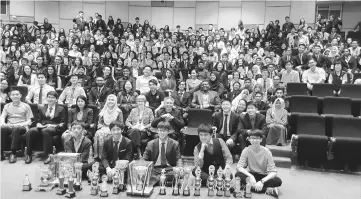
[116, 147]
[301, 59]
[252, 120]
[50, 123]
[321, 60]
[98, 94]
[348, 61]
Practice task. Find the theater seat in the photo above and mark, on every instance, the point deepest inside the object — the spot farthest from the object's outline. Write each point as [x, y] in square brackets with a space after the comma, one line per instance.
[296, 89]
[351, 90]
[303, 104]
[322, 90]
[337, 105]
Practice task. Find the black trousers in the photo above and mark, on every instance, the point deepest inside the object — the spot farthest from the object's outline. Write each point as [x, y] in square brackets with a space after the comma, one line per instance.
[274, 182]
[15, 133]
[240, 140]
[47, 134]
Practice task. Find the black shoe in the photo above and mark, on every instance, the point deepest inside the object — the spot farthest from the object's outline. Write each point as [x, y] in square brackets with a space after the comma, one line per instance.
[12, 158]
[2, 156]
[272, 192]
[28, 159]
[48, 160]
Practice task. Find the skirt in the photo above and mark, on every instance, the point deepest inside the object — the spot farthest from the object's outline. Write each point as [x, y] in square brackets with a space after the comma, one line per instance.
[276, 134]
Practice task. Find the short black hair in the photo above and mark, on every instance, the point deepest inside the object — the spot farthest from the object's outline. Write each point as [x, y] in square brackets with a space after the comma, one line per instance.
[52, 93]
[256, 133]
[37, 75]
[164, 125]
[80, 123]
[205, 128]
[251, 104]
[116, 123]
[153, 81]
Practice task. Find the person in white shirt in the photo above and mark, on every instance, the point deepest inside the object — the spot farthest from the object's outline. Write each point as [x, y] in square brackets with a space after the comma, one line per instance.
[74, 53]
[56, 50]
[142, 83]
[38, 93]
[313, 75]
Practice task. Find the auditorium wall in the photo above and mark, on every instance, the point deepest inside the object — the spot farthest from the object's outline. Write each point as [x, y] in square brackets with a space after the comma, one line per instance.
[195, 14]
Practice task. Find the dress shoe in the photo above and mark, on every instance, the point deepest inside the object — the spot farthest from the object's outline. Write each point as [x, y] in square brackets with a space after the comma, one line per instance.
[48, 160]
[28, 159]
[12, 158]
[2, 156]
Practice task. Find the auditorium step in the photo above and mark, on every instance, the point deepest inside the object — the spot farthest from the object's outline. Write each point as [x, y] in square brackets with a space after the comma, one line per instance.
[281, 155]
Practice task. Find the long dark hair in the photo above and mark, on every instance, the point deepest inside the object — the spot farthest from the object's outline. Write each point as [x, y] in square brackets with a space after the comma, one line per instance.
[85, 100]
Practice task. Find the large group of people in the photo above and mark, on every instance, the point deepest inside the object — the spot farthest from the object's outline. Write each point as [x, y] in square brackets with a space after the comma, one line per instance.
[144, 80]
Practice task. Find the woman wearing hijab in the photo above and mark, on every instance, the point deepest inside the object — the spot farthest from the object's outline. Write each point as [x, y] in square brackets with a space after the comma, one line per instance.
[244, 95]
[276, 119]
[107, 115]
[215, 84]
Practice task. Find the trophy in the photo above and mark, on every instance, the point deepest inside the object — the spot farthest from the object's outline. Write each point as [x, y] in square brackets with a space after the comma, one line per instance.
[227, 181]
[94, 176]
[220, 182]
[115, 181]
[237, 188]
[197, 182]
[162, 183]
[26, 184]
[45, 179]
[186, 179]
[61, 190]
[210, 181]
[176, 171]
[78, 176]
[247, 193]
[70, 193]
[91, 156]
[138, 176]
[122, 165]
[103, 188]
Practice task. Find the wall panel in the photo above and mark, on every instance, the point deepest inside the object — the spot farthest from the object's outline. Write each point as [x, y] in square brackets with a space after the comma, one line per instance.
[207, 13]
[253, 12]
[22, 8]
[228, 18]
[303, 9]
[66, 24]
[144, 13]
[117, 9]
[185, 4]
[230, 4]
[42, 11]
[278, 3]
[70, 9]
[162, 16]
[91, 8]
[140, 3]
[274, 13]
[185, 17]
[351, 15]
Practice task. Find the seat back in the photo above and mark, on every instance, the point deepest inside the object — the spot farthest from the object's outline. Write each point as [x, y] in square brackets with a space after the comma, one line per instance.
[199, 116]
[66, 114]
[303, 104]
[23, 90]
[343, 126]
[322, 90]
[296, 89]
[351, 90]
[35, 110]
[337, 105]
[311, 124]
[356, 76]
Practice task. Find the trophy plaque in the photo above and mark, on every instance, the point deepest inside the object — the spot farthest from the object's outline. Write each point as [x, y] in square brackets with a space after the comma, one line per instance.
[78, 176]
[162, 190]
[26, 184]
[197, 182]
[61, 190]
[176, 171]
[227, 181]
[103, 188]
[237, 188]
[247, 193]
[71, 192]
[219, 182]
[122, 165]
[46, 179]
[138, 177]
[186, 179]
[115, 172]
[210, 180]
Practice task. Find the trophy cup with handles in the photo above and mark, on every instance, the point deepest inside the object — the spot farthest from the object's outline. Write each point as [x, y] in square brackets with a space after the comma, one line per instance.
[219, 182]
[162, 189]
[122, 165]
[186, 179]
[197, 182]
[211, 180]
[176, 171]
[139, 173]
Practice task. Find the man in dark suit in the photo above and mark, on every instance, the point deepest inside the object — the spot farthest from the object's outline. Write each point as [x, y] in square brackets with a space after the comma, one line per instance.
[164, 152]
[136, 25]
[61, 70]
[50, 123]
[252, 120]
[178, 32]
[84, 79]
[321, 60]
[348, 62]
[116, 147]
[80, 21]
[301, 59]
[98, 95]
[78, 143]
[287, 57]
[226, 125]
[182, 100]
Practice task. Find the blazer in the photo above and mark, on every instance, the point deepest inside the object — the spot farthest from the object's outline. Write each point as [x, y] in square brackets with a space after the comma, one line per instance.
[84, 149]
[172, 153]
[101, 97]
[283, 60]
[184, 102]
[245, 123]
[59, 116]
[87, 116]
[297, 61]
[177, 122]
[125, 151]
[213, 99]
[322, 61]
[233, 125]
[351, 64]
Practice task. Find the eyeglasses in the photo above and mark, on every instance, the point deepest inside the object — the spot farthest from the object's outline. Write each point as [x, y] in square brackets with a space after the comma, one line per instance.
[255, 138]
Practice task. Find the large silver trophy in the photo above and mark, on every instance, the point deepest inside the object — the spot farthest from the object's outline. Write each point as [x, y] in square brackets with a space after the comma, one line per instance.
[46, 179]
[197, 182]
[116, 177]
[104, 188]
[78, 176]
[93, 175]
[186, 181]
[176, 171]
[162, 181]
[220, 182]
[61, 190]
[70, 192]
[139, 175]
[211, 180]
[122, 166]
[227, 181]
[237, 188]
[247, 193]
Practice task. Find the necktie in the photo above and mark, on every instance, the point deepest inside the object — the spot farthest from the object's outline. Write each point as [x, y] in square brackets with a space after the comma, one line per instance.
[56, 52]
[181, 96]
[72, 96]
[225, 125]
[40, 101]
[58, 69]
[50, 110]
[265, 84]
[301, 61]
[163, 159]
[115, 151]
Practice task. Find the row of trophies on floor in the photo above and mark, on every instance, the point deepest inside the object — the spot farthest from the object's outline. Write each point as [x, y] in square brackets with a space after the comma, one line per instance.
[70, 173]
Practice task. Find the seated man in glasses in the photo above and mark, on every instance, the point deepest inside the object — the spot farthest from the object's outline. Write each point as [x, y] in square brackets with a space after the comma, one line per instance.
[256, 163]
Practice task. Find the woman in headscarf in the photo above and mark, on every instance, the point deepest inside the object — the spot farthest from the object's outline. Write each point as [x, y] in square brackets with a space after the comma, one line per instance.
[244, 95]
[107, 115]
[215, 84]
[276, 119]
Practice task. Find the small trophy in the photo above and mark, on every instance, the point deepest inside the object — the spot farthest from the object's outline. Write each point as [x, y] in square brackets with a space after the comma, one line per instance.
[247, 193]
[210, 181]
[227, 181]
[122, 165]
[115, 181]
[70, 193]
[103, 188]
[78, 174]
[197, 182]
[94, 176]
[91, 156]
[61, 190]
[237, 188]
[176, 171]
[162, 183]
[26, 184]
[45, 179]
[220, 182]
[186, 178]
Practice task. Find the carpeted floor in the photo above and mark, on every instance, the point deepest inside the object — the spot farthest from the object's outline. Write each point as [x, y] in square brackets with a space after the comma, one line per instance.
[297, 184]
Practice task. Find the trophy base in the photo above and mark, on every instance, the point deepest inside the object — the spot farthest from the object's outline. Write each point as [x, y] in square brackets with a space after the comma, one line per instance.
[103, 194]
[211, 193]
[248, 195]
[162, 191]
[227, 193]
[94, 192]
[238, 195]
[27, 187]
[77, 187]
[45, 188]
[197, 192]
[131, 191]
[220, 193]
[115, 190]
[122, 187]
[186, 192]
[70, 195]
[60, 191]
[175, 192]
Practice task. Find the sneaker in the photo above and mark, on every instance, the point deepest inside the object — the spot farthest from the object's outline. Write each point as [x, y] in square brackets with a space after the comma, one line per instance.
[272, 192]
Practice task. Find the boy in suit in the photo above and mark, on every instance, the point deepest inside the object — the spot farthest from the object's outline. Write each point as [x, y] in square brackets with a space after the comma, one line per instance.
[98, 94]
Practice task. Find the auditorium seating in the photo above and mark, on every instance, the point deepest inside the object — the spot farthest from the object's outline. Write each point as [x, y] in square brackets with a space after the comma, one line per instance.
[322, 90]
[296, 89]
[351, 90]
[337, 105]
[303, 104]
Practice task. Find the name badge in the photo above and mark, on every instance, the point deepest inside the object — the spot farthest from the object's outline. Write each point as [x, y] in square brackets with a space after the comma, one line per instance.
[332, 66]
[157, 97]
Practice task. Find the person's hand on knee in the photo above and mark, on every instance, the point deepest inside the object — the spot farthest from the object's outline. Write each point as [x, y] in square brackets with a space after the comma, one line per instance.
[230, 143]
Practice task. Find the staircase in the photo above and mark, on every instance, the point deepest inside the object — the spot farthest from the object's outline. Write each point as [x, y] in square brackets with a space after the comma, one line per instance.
[281, 155]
